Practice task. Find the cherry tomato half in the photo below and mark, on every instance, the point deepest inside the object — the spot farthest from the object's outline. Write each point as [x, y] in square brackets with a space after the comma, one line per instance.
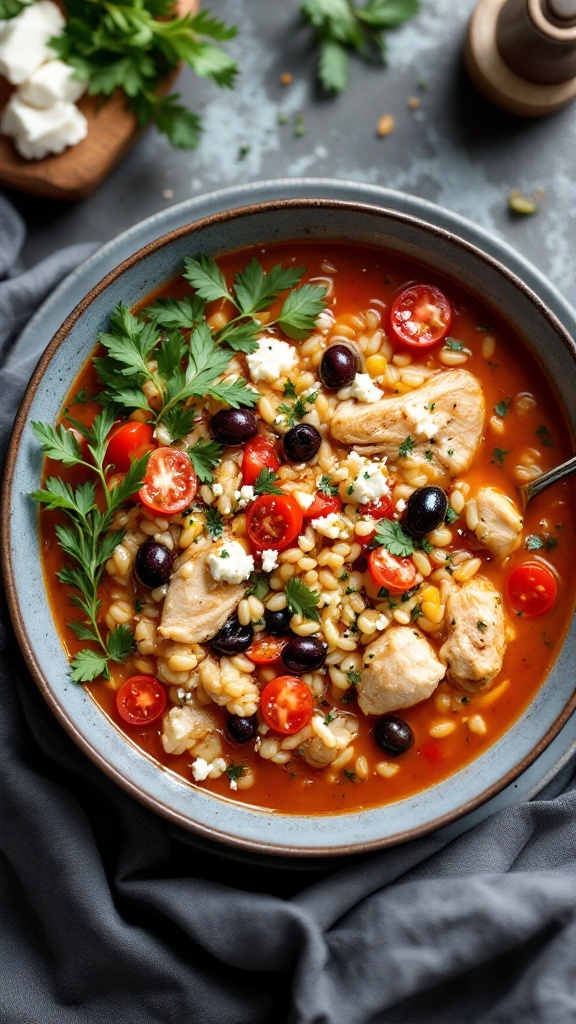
[170, 482]
[141, 700]
[323, 505]
[265, 649]
[273, 521]
[383, 508]
[420, 316]
[129, 441]
[259, 454]
[286, 704]
[389, 571]
[532, 588]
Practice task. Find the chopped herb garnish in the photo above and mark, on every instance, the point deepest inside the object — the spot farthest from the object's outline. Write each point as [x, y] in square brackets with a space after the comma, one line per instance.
[450, 452]
[289, 389]
[535, 542]
[301, 600]
[326, 486]
[543, 434]
[331, 717]
[451, 516]
[353, 677]
[428, 456]
[294, 413]
[214, 523]
[453, 344]
[502, 408]
[350, 775]
[482, 626]
[235, 771]
[406, 447]
[257, 585]
[416, 613]
[265, 482]
[390, 535]
[498, 456]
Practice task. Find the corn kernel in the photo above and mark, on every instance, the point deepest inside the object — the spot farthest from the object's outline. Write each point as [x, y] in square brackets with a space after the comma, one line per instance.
[375, 365]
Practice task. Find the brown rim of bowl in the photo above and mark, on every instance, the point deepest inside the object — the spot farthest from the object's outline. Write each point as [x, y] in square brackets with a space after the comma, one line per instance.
[76, 733]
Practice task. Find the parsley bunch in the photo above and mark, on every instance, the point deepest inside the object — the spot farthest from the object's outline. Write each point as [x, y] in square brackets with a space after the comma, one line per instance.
[87, 539]
[133, 45]
[342, 27]
[11, 8]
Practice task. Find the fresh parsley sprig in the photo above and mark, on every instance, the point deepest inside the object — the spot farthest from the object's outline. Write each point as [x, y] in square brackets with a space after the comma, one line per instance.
[254, 290]
[265, 482]
[11, 8]
[301, 600]
[87, 539]
[390, 535]
[342, 27]
[133, 45]
[205, 455]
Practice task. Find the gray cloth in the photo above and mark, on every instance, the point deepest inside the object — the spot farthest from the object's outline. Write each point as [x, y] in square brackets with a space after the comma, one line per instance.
[107, 915]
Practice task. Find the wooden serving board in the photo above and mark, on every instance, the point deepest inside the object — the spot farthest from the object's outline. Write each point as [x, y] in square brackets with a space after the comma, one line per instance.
[78, 171]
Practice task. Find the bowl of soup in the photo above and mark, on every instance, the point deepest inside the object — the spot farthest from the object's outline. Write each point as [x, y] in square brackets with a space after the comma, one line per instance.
[281, 585]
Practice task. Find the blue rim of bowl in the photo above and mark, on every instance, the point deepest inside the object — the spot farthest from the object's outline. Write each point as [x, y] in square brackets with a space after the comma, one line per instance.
[72, 727]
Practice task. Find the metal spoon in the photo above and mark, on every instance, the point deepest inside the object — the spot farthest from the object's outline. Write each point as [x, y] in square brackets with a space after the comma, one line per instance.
[531, 489]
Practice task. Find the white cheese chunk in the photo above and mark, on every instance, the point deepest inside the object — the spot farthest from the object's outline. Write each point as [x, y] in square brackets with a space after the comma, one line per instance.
[420, 416]
[362, 388]
[328, 526]
[230, 563]
[244, 496]
[370, 484]
[269, 560]
[52, 83]
[37, 133]
[24, 39]
[271, 360]
[201, 769]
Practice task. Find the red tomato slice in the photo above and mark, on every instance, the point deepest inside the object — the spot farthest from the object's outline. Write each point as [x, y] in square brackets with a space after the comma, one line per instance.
[286, 704]
[170, 482]
[129, 441]
[265, 649]
[273, 521]
[384, 508]
[396, 574]
[420, 316]
[323, 505]
[259, 454]
[532, 588]
[141, 700]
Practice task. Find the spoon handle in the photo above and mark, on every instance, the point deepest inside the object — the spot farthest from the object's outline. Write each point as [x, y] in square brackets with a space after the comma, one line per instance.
[551, 477]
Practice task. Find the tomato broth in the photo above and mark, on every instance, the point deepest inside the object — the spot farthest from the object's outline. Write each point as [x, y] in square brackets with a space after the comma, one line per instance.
[523, 426]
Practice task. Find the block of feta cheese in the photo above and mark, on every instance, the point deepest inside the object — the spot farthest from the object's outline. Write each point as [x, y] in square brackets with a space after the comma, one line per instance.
[24, 40]
[37, 133]
[51, 83]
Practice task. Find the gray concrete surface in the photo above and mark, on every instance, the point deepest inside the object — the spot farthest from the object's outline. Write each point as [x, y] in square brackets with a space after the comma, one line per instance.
[455, 149]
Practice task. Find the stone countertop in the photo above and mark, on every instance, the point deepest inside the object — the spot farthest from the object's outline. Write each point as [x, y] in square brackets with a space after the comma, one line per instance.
[453, 149]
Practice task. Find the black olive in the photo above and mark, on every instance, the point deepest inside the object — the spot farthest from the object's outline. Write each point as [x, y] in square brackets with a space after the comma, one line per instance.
[425, 509]
[277, 622]
[301, 442]
[339, 366]
[393, 735]
[153, 565]
[304, 654]
[234, 426]
[241, 730]
[233, 638]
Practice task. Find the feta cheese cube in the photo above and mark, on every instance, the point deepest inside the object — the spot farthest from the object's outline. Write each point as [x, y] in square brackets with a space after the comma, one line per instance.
[419, 414]
[37, 133]
[328, 526]
[244, 496]
[269, 560]
[24, 39]
[201, 769]
[271, 360]
[51, 83]
[230, 563]
[370, 484]
[362, 388]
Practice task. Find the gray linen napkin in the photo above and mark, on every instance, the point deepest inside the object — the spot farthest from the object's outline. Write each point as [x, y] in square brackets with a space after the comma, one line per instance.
[107, 916]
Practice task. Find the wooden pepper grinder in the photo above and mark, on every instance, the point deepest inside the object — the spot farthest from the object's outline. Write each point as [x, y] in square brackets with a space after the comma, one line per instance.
[521, 54]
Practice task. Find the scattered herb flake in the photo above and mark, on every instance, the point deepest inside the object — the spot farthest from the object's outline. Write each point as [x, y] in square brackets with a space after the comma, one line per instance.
[214, 522]
[498, 456]
[502, 408]
[544, 435]
[406, 447]
[453, 344]
[482, 626]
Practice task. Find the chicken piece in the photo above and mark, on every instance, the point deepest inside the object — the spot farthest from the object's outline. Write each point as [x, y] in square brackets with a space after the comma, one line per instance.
[196, 606]
[474, 649]
[495, 520]
[183, 728]
[400, 669]
[444, 417]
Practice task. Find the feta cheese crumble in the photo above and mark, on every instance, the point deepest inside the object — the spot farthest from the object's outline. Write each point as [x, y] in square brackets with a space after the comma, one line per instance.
[24, 40]
[269, 560]
[370, 484]
[230, 563]
[244, 496]
[328, 526]
[201, 769]
[362, 388]
[271, 360]
[420, 415]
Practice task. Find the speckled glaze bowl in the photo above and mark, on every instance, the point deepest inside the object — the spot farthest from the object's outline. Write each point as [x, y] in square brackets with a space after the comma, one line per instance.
[213, 817]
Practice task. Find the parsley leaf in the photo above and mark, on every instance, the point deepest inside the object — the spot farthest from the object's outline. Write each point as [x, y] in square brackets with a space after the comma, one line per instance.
[183, 313]
[265, 482]
[390, 535]
[325, 486]
[406, 447]
[11, 8]
[344, 26]
[301, 600]
[132, 46]
[257, 585]
[502, 408]
[544, 435]
[234, 771]
[214, 523]
[451, 516]
[498, 457]
[453, 344]
[205, 455]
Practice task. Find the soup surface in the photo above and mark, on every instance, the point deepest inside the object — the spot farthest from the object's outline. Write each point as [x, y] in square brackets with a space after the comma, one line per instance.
[302, 579]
